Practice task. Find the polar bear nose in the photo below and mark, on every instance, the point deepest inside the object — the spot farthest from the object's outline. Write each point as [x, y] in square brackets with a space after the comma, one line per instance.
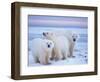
[43, 33]
[74, 39]
[48, 46]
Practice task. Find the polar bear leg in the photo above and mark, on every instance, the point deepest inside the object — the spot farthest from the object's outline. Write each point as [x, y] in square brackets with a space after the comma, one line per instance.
[44, 59]
[48, 55]
[58, 55]
[52, 55]
[65, 54]
[36, 60]
[71, 51]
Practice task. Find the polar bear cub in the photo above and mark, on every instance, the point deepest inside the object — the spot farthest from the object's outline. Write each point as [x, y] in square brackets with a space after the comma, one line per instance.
[41, 50]
[61, 48]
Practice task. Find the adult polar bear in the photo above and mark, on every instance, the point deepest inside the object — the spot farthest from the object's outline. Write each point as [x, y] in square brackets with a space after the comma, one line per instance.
[41, 50]
[64, 43]
[72, 37]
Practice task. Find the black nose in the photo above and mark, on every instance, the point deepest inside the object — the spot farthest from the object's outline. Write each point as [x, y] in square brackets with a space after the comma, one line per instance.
[74, 39]
[43, 33]
[48, 46]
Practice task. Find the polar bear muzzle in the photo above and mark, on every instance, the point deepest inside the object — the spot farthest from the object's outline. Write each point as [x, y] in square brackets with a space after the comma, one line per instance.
[74, 39]
[48, 45]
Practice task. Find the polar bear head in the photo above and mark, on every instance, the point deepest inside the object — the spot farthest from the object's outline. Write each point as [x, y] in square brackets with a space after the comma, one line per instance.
[49, 35]
[74, 37]
[71, 35]
[49, 44]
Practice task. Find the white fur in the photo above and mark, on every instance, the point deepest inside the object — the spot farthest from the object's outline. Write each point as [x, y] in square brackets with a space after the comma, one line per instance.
[61, 48]
[71, 36]
[40, 50]
[64, 43]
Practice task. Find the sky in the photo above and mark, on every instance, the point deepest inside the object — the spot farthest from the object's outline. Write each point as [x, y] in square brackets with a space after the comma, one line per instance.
[38, 24]
[57, 21]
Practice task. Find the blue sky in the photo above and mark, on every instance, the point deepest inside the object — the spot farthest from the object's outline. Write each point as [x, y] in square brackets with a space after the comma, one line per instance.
[57, 21]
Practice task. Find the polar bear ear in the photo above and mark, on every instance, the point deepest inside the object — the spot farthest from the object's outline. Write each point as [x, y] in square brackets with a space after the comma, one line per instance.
[76, 35]
[43, 33]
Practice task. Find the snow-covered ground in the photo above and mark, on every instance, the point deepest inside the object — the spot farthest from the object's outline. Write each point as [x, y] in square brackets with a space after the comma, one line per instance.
[80, 53]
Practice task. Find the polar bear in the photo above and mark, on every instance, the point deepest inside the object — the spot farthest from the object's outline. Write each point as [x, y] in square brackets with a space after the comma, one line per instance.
[61, 45]
[72, 37]
[41, 50]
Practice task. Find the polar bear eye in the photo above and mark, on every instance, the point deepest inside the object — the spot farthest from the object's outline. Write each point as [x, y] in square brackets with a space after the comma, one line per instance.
[47, 32]
[51, 33]
[50, 43]
[73, 36]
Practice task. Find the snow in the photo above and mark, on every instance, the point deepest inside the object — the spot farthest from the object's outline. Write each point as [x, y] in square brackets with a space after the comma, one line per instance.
[80, 53]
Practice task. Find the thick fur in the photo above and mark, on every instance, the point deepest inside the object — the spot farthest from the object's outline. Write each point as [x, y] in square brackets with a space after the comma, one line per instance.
[64, 41]
[61, 45]
[41, 50]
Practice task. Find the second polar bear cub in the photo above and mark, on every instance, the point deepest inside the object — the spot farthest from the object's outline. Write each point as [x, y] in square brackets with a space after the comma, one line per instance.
[41, 50]
[61, 48]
